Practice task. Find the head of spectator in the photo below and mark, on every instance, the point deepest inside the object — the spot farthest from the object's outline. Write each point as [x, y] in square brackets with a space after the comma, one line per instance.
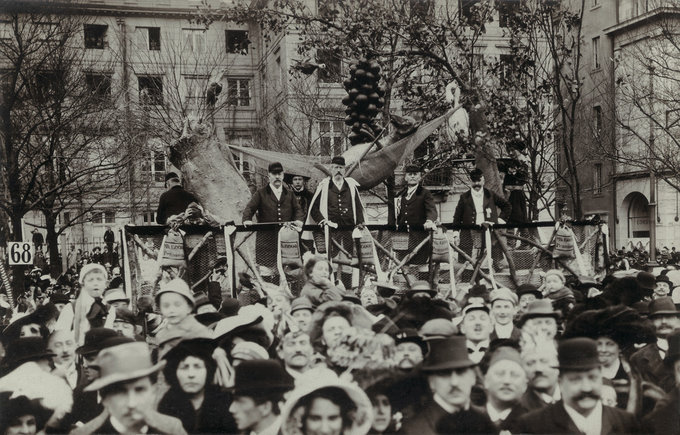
[96, 339]
[63, 345]
[331, 320]
[503, 306]
[116, 298]
[190, 367]
[301, 310]
[296, 351]
[337, 167]
[505, 379]
[540, 364]
[175, 301]
[21, 415]
[664, 315]
[663, 286]
[450, 373]
[410, 349]
[540, 319]
[275, 173]
[125, 322]
[580, 377]
[421, 289]
[172, 180]
[93, 279]
[28, 349]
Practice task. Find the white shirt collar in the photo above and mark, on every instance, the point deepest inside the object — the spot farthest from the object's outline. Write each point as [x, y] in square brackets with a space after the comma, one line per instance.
[610, 372]
[590, 425]
[340, 184]
[120, 427]
[410, 191]
[277, 192]
[496, 415]
[662, 347]
[504, 331]
[448, 408]
[478, 350]
[547, 398]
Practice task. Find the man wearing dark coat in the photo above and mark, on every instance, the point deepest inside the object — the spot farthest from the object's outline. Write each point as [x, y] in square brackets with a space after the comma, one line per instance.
[450, 375]
[581, 409]
[109, 238]
[475, 207]
[665, 418]
[416, 207]
[174, 200]
[303, 195]
[272, 203]
[648, 361]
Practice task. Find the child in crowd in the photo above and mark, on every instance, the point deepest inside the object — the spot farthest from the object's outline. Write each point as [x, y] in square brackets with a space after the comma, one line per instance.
[176, 303]
[554, 288]
[90, 311]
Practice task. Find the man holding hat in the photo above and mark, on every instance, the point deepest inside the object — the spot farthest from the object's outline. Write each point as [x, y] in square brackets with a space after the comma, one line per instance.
[337, 202]
[258, 390]
[416, 207]
[450, 375]
[649, 360]
[580, 410]
[174, 200]
[272, 203]
[126, 387]
[503, 310]
[477, 206]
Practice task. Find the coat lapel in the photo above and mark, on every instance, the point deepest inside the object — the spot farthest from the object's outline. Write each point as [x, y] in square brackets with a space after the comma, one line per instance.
[561, 419]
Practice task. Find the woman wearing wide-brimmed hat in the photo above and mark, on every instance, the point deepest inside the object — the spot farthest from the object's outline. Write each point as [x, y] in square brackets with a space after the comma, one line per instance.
[193, 397]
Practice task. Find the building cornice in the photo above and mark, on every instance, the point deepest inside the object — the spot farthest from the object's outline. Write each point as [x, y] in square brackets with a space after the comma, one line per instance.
[98, 9]
[641, 20]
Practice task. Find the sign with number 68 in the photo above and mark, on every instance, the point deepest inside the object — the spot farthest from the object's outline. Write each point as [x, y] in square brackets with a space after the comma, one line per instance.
[20, 253]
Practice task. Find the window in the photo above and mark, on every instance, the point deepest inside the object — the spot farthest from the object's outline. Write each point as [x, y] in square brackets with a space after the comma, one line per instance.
[238, 92]
[150, 90]
[47, 85]
[104, 217]
[596, 52]
[95, 36]
[194, 40]
[196, 90]
[99, 85]
[506, 66]
[332, 138]
[148, 38]
[66, 218]
[6, 32]
[597, 179]
[154, 166]
[597, 120]
[332, 72]
[506, 11]
[47, 32]
[237, 41]
[238, 138]
[150, 217]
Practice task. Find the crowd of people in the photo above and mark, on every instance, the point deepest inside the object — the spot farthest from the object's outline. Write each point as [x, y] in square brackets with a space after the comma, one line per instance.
[566, 355]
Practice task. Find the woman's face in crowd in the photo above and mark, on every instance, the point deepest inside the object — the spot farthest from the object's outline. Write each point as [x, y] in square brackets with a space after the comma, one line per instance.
[320, 271]
[333, 328]
[192, 374]
[382, 412]
[324, 418]
[24, 425]
[174, 307]
[607, 350]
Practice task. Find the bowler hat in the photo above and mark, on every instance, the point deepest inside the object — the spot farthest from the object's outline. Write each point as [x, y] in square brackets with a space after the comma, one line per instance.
[538, 308]
[301, 303]
[275, 168]
[421, 287]
[666, 279]
[578, 353]
[338, 160]
[94, 338]
[447, 354]
[26, 349]
[261, 376]
[646, 280]
[124, 362]
[171, 175]
[673, 353]
[412, 169]
[476, 174]
[662, 307]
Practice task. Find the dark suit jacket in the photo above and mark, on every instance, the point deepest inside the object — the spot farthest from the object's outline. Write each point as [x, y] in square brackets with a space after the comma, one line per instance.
[532, 401]
[512, 419]
[270, 209]
[553, 419]
[466, 214]
[649, 364]
[158, 424]
[418, 209]
[665, 419]
[172, 202]
[515, 335]
[425, 421]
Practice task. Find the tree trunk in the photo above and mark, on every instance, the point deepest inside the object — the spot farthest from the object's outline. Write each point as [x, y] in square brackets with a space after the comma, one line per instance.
[52, 241]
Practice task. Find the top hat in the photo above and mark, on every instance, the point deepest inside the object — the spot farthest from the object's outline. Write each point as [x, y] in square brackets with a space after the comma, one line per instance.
[179, 286]
[476, 174]
[412, 169]
[447, 354]
[275, 168]
[673, 353]
[538, 308]
[301, 303]
[662, 307]
[122, 363]
[338, 160]
[94, 338]
[578, 353]
[261, 376]
[410, 335]
[646, 280]
[171, 175]
[26, 349]
[421, 287]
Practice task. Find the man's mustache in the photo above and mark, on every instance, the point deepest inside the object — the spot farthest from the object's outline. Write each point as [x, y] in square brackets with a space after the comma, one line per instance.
[587, 395]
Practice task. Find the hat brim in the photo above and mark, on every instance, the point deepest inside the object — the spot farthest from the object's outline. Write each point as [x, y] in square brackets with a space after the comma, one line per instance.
[302, 308]
[448, 365]
[259, 390]
[578, 367]
[664, 313]
[522, 320]
[105, 381]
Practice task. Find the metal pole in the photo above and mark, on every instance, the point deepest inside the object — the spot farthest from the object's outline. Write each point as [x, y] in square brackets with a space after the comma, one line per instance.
[652, 175]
